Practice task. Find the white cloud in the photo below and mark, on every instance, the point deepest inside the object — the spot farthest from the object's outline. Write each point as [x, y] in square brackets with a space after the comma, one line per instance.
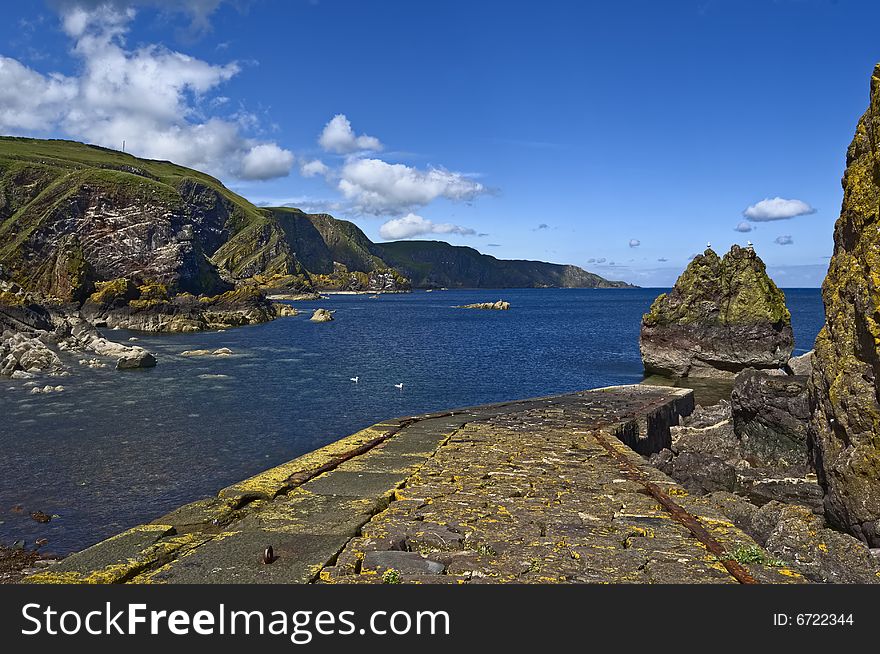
[78, 15]
[314, 168]
[378, 187]
[634, 242]
[266, 161]
[412, 225]
[339, 137]
[783, 240]
[30, 100]
[743, 226]
[777, 209]
[151, 97]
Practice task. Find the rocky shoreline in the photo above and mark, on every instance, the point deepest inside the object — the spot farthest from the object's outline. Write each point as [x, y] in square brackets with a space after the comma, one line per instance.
[750, 451]
[755, 468]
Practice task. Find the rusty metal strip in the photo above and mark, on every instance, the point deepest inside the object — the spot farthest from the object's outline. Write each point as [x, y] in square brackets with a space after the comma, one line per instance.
[677, 512]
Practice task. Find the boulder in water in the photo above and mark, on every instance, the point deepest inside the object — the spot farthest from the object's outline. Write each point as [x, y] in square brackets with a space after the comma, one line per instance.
[500, 305]
[723, 315]
[321, 315]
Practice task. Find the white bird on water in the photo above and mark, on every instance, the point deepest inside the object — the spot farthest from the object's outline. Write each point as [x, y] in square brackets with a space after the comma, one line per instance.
[399, 386]
[356, 379]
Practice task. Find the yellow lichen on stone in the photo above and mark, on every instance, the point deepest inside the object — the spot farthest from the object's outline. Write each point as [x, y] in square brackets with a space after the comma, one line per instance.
[270, 483]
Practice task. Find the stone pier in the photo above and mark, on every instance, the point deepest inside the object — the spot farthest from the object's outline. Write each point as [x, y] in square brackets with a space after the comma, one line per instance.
[550, 490]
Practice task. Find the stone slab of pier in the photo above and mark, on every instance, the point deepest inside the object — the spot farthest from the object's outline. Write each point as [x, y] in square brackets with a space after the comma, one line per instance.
[521, 492]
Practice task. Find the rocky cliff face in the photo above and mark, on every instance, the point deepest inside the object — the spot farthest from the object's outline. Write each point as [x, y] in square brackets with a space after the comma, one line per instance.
[722, 316]
[845, 423]
[72, 215]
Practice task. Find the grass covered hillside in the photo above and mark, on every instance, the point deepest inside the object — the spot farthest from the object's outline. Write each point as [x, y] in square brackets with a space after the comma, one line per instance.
[438, 264]
[74, 214]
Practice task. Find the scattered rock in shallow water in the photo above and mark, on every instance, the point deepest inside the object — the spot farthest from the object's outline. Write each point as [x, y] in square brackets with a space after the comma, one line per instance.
[219, 352]
[25, 353]
[135, 360]
[283, 310]
[722, 316]
[321, 315]
[153, 308]
[46, 389]
[500, 305]
[40, 517]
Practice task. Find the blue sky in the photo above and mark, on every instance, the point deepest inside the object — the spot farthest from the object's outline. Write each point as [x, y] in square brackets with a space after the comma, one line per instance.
[621, 137]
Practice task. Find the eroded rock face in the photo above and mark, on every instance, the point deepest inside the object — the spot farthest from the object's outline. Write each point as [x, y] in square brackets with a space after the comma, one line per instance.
[845, 421]
[770, 414]
[722, 316]
[708, 454]
[801, 365]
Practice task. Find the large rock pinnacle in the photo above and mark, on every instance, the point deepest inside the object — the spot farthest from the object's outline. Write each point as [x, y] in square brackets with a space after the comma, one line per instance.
[722, 316]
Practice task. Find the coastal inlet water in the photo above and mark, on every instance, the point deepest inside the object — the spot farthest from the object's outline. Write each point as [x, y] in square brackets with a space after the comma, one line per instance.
[119, 448]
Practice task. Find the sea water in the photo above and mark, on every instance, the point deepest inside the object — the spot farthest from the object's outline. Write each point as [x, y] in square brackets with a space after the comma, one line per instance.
[119, 448]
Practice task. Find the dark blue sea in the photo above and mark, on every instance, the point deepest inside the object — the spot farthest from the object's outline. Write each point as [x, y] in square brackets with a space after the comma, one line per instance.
[116, 449]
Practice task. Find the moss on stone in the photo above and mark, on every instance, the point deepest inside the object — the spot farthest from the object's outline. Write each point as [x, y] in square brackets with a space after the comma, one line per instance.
[11, 299]
[845, 425]
[153, 291]
[116, 291]
[732, 290]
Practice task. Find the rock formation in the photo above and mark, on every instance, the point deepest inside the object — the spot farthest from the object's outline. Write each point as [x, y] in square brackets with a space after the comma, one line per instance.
[73, 215]
[321, 315]
[500, 305]
[755, 445]
[33, 337]
[770, 414]
[151, 308]
[845, 422]
[722, 316]
[801, 365]
[796, 533]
